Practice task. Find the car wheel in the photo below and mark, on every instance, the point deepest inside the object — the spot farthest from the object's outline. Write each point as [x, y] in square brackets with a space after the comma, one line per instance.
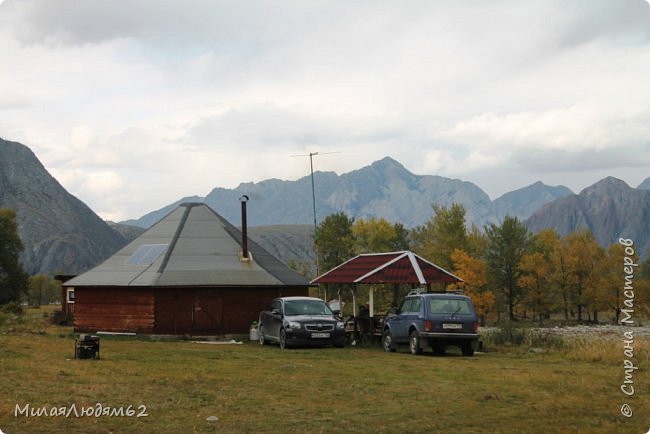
[283, 339]
[263, 340]
[467, 349]
[387, 342]
[414, 343]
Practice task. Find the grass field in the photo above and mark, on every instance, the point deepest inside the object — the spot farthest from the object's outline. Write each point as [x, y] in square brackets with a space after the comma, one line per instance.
[250, 388]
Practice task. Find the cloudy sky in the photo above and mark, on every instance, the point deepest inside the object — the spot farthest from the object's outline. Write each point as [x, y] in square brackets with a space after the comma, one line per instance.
[134, 104]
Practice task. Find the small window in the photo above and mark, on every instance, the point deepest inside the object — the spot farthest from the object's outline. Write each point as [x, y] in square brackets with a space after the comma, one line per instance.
[406, 305]
[69, 296]
[146, 254]
[415, 305]
[449, 306]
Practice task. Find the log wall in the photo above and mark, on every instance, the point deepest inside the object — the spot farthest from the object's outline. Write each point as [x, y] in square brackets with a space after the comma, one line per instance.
[182, 310]
[114, 309]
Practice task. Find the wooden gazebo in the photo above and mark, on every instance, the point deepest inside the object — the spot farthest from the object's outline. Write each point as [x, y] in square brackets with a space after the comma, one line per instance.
[403, 267]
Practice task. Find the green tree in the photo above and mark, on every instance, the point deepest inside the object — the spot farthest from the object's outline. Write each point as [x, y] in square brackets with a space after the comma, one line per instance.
[445, 232]
[476, 242]
[13, 279]
[401, 240]
[506, 247]
[378, 236]
[335, 243]
[42, 290]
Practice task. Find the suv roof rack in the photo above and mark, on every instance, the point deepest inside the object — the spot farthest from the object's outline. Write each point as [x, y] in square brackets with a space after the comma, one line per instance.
[417, 291]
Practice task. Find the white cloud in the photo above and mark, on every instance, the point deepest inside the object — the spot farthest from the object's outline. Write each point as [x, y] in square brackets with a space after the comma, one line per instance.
[133, 106]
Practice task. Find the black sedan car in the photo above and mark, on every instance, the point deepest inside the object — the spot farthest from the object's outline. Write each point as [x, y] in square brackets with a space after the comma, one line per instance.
[297, 321]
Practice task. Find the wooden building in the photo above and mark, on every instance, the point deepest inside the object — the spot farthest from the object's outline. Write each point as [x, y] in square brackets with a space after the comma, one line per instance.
[192, 273]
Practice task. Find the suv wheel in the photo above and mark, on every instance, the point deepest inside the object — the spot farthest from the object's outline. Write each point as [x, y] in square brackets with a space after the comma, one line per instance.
[414, 343]
[387, 342]
[467, 349]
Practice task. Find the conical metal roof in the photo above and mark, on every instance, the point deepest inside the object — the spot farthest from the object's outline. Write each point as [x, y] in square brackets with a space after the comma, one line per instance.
[191, 246]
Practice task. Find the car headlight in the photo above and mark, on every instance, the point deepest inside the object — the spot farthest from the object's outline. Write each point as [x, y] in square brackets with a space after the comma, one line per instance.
[293, 325]
[340, 324]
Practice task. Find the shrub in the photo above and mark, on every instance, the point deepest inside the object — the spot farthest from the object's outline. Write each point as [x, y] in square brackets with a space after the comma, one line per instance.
[512, 334]
[60, 318]
[13, 307]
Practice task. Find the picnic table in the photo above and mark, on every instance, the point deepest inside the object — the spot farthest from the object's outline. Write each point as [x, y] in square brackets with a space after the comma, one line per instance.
[364, 331]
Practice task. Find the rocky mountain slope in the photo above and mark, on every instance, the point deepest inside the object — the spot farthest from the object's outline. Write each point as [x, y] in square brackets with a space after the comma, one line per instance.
[610, 209]
[645, 185]
[60, 233]
[383, 189]
[525, 201]
[289, 243]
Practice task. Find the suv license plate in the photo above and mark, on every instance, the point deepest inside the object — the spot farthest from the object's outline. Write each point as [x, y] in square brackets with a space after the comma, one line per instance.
[320, 335]
[452, 326]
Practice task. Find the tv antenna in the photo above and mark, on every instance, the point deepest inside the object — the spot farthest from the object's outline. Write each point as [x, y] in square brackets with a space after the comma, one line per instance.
[311, 156]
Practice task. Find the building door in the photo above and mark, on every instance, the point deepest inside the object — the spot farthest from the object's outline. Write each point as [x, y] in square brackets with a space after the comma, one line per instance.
[208, 313]
[174, 311]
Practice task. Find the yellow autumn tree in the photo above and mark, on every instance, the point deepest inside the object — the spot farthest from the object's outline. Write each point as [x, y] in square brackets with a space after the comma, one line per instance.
[474, 273]
[538, 279]
[379, 235]
[583, 255]
[610, 291]
[536, 282]
[561, 274]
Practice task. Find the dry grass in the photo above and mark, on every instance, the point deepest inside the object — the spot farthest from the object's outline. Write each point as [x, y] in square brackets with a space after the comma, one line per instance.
[263, 389]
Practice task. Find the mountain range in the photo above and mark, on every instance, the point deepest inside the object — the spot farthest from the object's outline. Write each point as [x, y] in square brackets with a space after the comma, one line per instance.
[63, 235]
[383, 189]
[610, 209]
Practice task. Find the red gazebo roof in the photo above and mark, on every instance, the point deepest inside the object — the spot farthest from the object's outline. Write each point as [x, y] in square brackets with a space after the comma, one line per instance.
[394, 267]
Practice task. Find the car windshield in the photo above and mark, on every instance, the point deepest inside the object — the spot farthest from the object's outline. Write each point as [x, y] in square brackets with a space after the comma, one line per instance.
[449, 306]
[306, 307]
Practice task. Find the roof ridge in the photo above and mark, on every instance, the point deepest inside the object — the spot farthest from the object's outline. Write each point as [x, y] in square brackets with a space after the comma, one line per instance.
[174, 240]
[416, 267]
[399, 256]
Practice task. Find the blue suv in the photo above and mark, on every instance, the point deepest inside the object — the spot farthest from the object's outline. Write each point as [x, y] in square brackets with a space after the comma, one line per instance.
[435, 320]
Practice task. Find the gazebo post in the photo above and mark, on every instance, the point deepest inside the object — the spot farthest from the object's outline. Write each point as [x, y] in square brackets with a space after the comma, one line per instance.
[371, 301]
[395, 294]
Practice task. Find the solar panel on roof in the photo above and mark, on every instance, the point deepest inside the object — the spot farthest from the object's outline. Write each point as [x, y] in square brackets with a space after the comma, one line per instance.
[146, 254]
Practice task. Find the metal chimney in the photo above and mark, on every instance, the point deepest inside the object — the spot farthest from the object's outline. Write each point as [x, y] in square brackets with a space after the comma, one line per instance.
[244, 228]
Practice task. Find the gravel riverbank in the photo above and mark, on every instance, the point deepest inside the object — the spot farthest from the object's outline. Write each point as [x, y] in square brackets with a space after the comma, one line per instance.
[604, 332]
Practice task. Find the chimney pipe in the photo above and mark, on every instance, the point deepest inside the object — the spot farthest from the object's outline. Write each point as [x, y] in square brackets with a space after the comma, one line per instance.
[244, 229]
